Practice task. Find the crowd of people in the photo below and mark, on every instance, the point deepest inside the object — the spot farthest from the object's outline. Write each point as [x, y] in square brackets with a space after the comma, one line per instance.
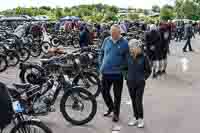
[120, 58]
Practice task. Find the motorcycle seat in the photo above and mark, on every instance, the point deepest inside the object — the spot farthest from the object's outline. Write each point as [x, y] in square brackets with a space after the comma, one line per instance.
[22, 86]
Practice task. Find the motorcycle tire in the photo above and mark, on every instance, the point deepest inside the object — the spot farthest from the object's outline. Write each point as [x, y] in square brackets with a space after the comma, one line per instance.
[93, 79]
[4, 62]
[45, 47]
[70, 94]
[12, 58]
[35, 50]
[35, 77]
[76, 43]
[55, 42]
[24, 54]
[25, 127]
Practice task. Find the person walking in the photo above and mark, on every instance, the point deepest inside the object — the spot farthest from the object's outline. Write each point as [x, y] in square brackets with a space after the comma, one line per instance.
[84, 37]
[164, 48]
[139, 69]
[112, 56]
[152, 40]
[188, 36]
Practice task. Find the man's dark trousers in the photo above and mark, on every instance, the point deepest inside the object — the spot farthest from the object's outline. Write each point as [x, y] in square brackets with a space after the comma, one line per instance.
[188, 44]
[117, 82]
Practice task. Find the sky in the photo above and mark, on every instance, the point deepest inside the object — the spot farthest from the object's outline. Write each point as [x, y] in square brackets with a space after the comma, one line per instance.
[145, 4]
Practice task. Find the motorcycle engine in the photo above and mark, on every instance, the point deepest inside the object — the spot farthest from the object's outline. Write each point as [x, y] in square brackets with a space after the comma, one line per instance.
[40, 106]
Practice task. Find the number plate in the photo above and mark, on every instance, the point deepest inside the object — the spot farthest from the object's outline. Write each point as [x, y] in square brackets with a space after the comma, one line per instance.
[17, 107]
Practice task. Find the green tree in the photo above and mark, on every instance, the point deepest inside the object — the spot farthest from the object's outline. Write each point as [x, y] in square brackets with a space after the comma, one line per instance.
[166, 13]
[179, 8]
[189, 9]
[58, 12]
[133, 16]
[155, 8]
[45, 8]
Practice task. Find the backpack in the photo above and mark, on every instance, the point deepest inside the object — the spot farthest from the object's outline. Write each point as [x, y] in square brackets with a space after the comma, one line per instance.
[6, 110]
[147, 67]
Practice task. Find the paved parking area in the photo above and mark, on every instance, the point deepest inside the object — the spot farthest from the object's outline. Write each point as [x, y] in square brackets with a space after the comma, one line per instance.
[171, 103]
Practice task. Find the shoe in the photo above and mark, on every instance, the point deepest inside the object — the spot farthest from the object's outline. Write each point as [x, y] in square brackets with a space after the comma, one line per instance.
[140, 123]
[184, 50]
[107, 113]
[133, 122]
[154, 76]
[191, 50]
[159, 73]
[115, 118]
[163, 72]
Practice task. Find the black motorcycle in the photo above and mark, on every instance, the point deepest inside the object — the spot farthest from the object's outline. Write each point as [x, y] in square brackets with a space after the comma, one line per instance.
[31, 73]
[41, 98]
[65, 40]
[12, 56]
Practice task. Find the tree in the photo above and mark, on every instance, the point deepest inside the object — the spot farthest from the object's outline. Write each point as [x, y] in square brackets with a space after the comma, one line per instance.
[179, 8]
[45, 8]
[18, 10]
[59, 12]
[146, 12]
[189, 9]
[133, 16]
[155, 8]
[166, 13]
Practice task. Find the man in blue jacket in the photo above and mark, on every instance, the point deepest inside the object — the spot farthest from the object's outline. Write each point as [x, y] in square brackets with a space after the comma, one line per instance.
[112, 57]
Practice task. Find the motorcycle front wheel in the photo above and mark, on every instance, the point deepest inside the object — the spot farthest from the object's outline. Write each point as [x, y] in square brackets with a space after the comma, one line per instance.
[31, 127]
[45, 47]
[3, 63]
[78, 110]
[35, 50]
[24, 54]
[12, 58]
[55, 42]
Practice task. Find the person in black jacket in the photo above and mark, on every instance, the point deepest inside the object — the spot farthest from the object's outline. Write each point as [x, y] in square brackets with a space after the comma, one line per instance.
[152, 42]
[139, 69]
[188, 36]
[164, 48]
[84, 37]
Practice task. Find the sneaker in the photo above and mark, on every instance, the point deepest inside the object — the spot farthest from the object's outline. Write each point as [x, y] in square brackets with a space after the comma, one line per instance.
[140, 123]
[184, 50]
[133, 122]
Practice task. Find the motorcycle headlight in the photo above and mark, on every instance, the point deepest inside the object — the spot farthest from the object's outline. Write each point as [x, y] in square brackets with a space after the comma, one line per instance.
[90, 56]
[77, 61]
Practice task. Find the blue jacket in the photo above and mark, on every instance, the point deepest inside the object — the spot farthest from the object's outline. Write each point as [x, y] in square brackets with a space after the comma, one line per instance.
[113, 56]
[136, 68]
[84, 38]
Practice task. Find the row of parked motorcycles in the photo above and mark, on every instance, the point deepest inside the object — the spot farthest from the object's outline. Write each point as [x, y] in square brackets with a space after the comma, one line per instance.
[15, 49]
[73, 76]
